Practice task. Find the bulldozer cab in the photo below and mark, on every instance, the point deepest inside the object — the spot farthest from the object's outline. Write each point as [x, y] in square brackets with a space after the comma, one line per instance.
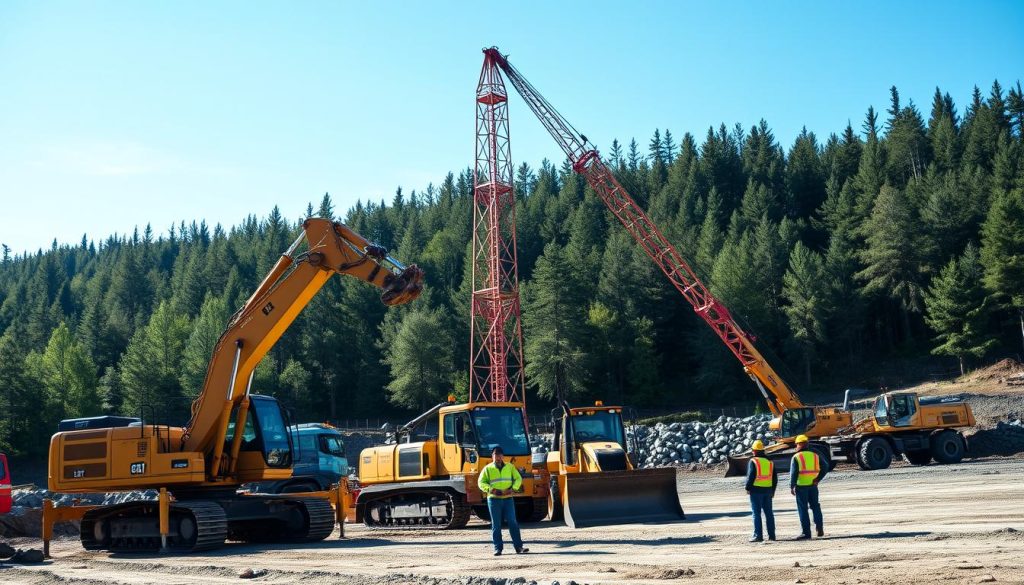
[896, 410]
[796, 421]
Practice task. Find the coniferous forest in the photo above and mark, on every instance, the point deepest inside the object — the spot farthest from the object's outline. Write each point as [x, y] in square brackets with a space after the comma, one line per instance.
[900, 236]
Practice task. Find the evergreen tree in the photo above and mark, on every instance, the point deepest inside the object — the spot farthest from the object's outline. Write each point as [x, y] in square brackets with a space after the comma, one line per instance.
[552, 331]
[198, 349]
[806, 289]
[151, 366]
[419, 359]
[958, 310]
[67, 375]
[895, 253]
[1002, 251]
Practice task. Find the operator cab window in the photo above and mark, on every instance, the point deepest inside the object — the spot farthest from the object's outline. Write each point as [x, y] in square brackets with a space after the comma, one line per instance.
[903, 410]
[449, 429]
[332, 445]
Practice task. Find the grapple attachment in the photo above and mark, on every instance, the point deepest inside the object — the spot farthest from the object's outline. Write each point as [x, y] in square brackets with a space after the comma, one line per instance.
[621, 497]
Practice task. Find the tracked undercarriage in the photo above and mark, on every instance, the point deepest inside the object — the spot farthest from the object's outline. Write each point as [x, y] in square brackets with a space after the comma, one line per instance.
[197, 525]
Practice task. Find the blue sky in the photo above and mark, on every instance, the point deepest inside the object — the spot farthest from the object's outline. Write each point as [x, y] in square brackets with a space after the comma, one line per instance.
[115, 114]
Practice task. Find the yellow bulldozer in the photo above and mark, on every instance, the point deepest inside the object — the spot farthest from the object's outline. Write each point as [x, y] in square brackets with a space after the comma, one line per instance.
[427, 478]
[593, 479]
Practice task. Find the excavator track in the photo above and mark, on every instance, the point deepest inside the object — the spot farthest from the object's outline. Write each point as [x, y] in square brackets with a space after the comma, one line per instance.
[135, 527]
[438, 510]
[277, 519]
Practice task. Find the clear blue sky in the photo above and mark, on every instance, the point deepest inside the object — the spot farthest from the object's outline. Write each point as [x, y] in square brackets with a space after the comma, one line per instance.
[115, 114]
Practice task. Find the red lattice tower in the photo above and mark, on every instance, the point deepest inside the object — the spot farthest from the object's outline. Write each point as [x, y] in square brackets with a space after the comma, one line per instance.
[496, 339]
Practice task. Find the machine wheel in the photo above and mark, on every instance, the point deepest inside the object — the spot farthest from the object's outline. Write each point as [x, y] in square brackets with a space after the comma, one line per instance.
[921, 457]
[531, 510]
[948, 447]
[555, 511]
[875, 453]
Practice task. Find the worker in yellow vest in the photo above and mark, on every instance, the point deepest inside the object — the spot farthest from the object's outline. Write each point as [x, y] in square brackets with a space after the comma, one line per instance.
[805, 471]
[498, 481]
[762, 477]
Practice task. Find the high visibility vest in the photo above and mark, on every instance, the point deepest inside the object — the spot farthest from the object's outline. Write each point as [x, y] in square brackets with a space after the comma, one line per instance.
[809, 467]
[763, 471]
[506, 478]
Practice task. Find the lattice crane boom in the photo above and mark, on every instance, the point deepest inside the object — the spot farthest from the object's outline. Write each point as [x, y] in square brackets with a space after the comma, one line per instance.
[586, 161]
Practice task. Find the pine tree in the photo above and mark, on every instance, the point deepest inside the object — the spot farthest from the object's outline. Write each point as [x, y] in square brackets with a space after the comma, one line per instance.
[957, 309]
[806, 289]
[68, 376]
[895, 253]
[419, 360]
[198, 349]
[553, 335]
[151, 366]
[1002, 251]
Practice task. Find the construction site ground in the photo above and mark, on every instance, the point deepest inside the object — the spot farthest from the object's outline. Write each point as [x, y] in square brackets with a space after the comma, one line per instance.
[938, 524]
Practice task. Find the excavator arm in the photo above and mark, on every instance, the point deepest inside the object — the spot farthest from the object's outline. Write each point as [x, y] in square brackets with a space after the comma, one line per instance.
[331, 249]
[586, 161]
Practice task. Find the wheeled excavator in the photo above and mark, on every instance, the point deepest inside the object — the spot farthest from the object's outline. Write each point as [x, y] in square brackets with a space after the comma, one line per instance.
[428, 477]
[831, 429]
[233, 437]
[593, 478]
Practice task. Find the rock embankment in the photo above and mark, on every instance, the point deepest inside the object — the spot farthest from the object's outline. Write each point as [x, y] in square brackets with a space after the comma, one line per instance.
[698, 442]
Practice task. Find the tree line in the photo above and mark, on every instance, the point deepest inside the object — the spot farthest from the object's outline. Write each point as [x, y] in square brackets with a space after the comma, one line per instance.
[903, 237]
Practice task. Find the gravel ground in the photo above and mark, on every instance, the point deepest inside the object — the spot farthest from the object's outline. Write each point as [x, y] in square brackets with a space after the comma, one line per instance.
[902, 525]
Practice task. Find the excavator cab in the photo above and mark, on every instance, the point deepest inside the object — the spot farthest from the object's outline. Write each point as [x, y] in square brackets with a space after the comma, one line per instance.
[265, 437]
[593, 480]
[796, 421]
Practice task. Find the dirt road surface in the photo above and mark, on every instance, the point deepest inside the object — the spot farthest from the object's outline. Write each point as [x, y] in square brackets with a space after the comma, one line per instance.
[937, 524]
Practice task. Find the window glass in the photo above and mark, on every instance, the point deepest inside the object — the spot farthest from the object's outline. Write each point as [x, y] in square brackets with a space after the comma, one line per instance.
[881, 412]
[600, 425]
[276, 447]
[3, 470]
[500, 426]
[332, 445]
[449, 428]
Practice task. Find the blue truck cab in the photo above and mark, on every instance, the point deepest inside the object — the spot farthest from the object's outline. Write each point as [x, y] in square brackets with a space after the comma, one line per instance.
[319, 451]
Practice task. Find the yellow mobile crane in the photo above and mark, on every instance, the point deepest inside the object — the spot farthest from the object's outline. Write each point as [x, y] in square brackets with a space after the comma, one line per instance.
[233, 437]
[871, 449]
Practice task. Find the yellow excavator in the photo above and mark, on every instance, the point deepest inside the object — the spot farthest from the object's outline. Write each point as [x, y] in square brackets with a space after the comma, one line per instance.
[593, 479]
[233, 437]
[427, 477]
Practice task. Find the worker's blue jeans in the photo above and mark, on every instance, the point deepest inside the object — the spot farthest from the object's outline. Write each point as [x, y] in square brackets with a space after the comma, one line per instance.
[762, 502]
[807, 496]
[504, 509]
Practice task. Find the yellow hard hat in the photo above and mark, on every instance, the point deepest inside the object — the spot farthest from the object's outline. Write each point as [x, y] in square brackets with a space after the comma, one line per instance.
[758, 445]
[801, 439]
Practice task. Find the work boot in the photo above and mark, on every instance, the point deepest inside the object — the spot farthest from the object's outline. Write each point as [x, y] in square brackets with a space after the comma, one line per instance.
[771, 538]
[497, 553]
[821, 532]
[803, 537]
[756, 539]
[522, 551]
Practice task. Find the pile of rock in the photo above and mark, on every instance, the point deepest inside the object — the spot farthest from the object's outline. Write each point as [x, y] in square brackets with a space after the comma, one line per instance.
[698, 442]
[1007, 438]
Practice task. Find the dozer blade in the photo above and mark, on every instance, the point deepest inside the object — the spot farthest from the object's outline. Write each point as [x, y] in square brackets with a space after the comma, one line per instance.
[621, 497]
[738, 465]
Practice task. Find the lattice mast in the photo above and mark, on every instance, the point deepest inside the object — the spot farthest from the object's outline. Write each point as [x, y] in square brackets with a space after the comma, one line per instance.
[496, 338]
